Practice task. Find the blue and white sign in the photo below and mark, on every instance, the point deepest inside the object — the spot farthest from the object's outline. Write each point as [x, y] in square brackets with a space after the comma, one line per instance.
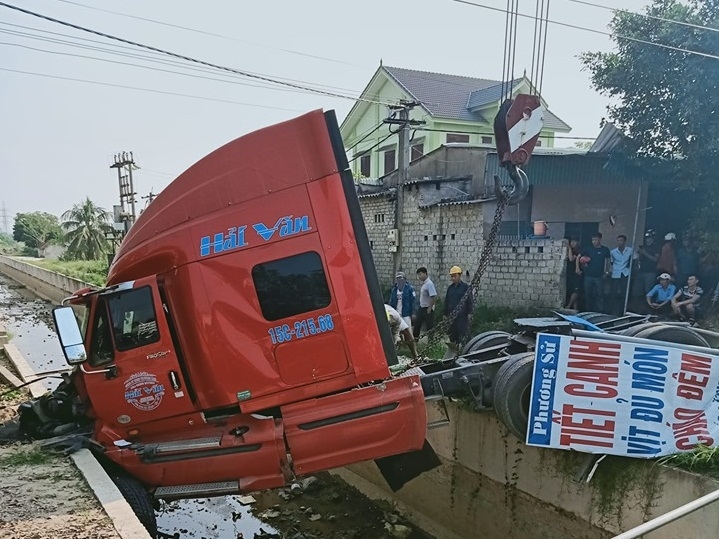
[620, 398]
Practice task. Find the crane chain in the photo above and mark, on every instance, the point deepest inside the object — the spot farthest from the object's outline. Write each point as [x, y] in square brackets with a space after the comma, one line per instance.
[437, 333]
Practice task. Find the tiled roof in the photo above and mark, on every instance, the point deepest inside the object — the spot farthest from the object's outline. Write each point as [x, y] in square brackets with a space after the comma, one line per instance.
[456, 97]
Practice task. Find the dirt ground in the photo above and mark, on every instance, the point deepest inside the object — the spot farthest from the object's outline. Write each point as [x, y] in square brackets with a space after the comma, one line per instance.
[43, 496]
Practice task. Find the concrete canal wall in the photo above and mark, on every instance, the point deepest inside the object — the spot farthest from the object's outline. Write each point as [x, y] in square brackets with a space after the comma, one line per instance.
[45, 283]
[491, 484]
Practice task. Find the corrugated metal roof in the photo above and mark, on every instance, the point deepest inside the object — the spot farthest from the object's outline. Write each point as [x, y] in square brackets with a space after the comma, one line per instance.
[455, 97]
[562, 169]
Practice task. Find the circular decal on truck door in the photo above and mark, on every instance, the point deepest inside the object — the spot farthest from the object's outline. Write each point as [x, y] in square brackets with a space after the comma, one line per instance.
[143, 391]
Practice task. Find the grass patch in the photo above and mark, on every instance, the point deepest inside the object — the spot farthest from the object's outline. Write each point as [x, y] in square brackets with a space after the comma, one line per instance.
[90, 271]
[703, 460]
[11, 395]
[22, 457]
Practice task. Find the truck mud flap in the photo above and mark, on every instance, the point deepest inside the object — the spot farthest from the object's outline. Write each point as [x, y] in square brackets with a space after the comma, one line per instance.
[357, 425]
[400, 469]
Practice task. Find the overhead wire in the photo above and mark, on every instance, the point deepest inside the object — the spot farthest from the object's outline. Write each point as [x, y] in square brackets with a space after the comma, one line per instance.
[365, 151]
[244, 73]
[207, 33]
[595, 31]
[100, 83]
[140, 54]
[646, 15]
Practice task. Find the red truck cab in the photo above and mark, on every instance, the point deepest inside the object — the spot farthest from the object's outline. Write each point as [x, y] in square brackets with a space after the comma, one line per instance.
[241, 338]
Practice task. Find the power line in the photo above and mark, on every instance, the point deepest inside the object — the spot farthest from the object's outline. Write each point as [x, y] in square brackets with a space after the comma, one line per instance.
[434, 129]
[151, 68]
[189, 58]
[592, 30]
[371, 148]
[647, 15]
[212, 34]
[151, 56]
[144, 89]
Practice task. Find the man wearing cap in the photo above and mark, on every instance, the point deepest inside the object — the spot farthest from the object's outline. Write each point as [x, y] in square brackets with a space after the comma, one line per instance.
[453, 300]
[660, 297]
[402, 297]
[400, 327]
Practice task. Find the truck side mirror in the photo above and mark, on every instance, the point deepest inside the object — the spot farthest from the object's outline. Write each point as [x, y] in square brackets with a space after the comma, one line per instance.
[69, 334]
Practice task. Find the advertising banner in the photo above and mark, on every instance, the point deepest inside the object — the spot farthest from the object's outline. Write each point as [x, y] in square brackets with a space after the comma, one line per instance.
[621, 398]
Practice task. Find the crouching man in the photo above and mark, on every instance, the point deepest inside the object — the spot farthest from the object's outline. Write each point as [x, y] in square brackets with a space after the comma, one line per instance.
[400, 329]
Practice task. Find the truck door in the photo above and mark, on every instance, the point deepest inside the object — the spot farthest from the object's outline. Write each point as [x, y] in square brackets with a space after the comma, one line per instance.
[133, 374]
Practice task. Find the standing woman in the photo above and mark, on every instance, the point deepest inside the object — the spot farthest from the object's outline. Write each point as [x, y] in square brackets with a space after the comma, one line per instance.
[574, 281]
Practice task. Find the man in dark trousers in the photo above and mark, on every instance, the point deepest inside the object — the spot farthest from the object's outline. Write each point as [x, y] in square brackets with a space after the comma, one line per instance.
[460, 325]
[593, 264]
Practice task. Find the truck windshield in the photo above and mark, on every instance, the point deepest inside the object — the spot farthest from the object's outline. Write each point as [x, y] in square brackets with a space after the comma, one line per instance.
[134, 322]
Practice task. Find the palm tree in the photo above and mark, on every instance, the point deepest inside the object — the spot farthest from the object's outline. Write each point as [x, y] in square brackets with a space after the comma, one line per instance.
[86, 226]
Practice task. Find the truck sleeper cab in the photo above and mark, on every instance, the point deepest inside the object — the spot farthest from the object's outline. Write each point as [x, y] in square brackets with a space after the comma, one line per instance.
[238, 341]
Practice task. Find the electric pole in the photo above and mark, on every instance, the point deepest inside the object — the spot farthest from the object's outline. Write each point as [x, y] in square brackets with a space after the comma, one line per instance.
[403, 158]
[125, 164]
[4, 218]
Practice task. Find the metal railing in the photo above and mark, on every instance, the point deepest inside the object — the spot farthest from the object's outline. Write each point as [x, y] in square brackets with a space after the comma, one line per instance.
[671, 516]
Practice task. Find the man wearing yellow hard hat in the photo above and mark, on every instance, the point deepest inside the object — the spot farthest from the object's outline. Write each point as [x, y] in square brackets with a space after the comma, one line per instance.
[453, 301]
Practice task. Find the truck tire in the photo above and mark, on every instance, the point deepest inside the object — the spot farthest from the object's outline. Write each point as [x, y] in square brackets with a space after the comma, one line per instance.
[675, 334]
[485, 340]
[598, 318]
[632, 331]
[512, 391]
[139, 501]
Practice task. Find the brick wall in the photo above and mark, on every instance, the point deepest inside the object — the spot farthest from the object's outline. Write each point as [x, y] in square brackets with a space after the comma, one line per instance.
[521, 273]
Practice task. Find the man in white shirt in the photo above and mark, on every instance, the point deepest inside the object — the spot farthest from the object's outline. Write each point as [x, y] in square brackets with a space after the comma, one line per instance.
[427, 299]
[621, 259]
[400, 327]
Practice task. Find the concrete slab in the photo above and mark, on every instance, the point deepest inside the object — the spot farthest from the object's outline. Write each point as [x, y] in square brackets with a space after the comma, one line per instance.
[23, 368]
[9, 377]
[123, 518]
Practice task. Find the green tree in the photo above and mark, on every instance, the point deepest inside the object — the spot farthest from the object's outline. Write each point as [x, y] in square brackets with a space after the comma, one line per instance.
[665, 99]
[36, 229]
[86, 225]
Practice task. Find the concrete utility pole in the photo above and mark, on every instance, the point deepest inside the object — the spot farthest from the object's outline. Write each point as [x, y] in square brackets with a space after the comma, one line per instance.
[403, 159]
[4, 219]
[125, 164]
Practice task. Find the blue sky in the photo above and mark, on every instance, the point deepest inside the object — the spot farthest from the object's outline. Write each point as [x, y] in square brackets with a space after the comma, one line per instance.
[58, 136]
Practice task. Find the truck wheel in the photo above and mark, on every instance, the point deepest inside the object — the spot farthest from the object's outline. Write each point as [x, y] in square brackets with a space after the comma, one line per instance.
[632, 331]
[598, 318]
[675, 334]
[139, 501]
[485, 340]
[512, 391]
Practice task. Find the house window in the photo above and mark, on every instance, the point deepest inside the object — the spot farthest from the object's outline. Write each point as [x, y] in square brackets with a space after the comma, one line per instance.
[379, 217]
[389, 161]
[289, 286]
[486, 140]
[539, 143]
[456, 137]
[366, 165]
[417, 151]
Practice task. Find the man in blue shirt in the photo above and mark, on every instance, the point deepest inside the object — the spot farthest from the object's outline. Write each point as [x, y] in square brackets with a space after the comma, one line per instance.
[593, 264]
[402, 298]
[660, 297]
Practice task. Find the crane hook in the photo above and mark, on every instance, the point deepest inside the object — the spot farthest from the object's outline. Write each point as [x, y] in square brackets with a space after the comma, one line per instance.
[520, 186]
